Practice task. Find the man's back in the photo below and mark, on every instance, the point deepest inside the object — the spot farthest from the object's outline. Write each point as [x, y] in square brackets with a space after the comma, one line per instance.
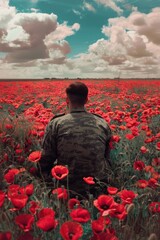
[81, 142]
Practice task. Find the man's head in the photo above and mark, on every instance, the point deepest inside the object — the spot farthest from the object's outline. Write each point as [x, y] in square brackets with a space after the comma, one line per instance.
[77, 94]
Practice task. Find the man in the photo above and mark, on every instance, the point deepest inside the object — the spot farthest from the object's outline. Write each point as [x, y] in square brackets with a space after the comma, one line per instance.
[78, 139]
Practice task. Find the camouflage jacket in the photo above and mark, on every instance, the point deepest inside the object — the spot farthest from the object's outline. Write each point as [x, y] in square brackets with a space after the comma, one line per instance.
[79, 140]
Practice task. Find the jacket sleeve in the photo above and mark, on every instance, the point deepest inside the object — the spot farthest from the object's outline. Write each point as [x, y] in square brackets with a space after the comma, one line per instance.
[49, 155]
[107, 152]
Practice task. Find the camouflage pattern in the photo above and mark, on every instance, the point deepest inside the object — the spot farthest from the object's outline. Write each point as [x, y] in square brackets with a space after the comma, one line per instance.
[79, 140]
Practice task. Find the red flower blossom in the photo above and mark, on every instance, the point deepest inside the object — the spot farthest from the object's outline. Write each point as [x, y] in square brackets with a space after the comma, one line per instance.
[46, 219]
[149, 168]
[34, 206]
[143, 149]
[12, 190]
[127, 196]
[9, 176]
[116, 138]
[61, 193]
[153, 183]
[116, 210]
[35, 156]
[142, 183]
[2, 197]
[9, 126]
[73, 202]
[19, 200]
[129, 136]
[5, 236]
[28, 190]
[158, 146]
[46, 212]
[112, 190]
[156, 162]
[24, 221]
[103, 202]
[89, 180]
[71, 230]
[59, 172]
[138, 165]
[47, 223]
[98, 226]
[154, 207]
[80, 215]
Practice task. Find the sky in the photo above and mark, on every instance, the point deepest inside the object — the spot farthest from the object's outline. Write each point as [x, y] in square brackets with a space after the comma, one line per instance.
[79, 39]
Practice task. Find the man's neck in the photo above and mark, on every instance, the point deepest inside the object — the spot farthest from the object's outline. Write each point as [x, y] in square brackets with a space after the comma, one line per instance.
[76, 108]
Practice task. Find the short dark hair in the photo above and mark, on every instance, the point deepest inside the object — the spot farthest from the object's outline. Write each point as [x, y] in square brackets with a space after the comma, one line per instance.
[77, 93]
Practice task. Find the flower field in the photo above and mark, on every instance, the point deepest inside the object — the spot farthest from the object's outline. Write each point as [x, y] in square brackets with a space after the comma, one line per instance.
[130, 207]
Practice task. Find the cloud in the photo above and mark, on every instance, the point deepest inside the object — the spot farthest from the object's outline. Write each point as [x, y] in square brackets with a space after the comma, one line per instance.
[89, 7]
[131, 47]
[62, 31]
[110, 4]
[29, 37]
[4, 3]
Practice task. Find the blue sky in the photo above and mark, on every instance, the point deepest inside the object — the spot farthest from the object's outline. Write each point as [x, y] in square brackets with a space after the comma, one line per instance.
[76, 38]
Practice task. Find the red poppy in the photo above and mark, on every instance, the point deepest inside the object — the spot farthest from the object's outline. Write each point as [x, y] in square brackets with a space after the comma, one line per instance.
[89, 180]
[61, 193]
[142, 183]
[46, 212]
[112, 190]
[138, 165]
[155, 175]
[12, 190]
[149, 168]
[71, 230]
[154, 207]
[9, 126]
[73, 202]
[156, 162]
[116, 138]
[47, 223]
[143, 149]
[153, 183]
[35, 156]
[98, 225]
[158, 146]
[9, 176]
[117, 210]
[19, 200]
[103, 202]
[24, 221]
[80, 215]
[2, 197]
[127, 196]
[5, 236]
[28, 190]
[34, 206]
[19, 151]
[59, 172]
[129, 136]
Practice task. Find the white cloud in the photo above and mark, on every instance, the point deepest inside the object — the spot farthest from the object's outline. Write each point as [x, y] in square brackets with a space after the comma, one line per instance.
[62, 31]
[4, 3]
[111, 4]
[34, 45]
[89, 7]
[27, 37]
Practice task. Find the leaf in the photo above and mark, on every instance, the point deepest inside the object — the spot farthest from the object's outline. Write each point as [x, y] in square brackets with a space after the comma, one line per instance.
[46, 104]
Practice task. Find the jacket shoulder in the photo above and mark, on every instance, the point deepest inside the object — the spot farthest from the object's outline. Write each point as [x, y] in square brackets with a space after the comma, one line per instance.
[97, 115]
[57, 116]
